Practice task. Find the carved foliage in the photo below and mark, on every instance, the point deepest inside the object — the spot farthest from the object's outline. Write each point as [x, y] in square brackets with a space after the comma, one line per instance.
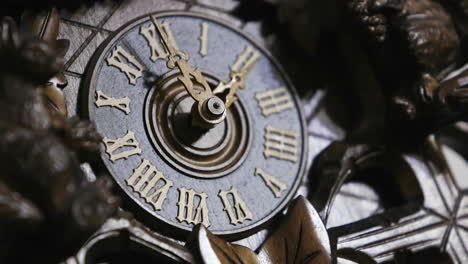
[300, 238]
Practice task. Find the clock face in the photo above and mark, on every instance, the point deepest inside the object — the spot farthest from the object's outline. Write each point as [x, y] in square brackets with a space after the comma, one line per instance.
[232, 177]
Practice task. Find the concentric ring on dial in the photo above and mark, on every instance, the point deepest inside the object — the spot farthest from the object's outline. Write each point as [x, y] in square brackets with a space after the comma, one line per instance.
[196, 152]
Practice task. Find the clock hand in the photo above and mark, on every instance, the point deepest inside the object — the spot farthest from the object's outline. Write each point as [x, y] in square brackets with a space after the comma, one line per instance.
[209, 110]
[180, 60]
[237, 81]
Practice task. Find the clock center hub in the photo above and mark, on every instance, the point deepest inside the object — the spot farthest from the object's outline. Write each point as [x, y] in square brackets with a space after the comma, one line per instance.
[197, 152]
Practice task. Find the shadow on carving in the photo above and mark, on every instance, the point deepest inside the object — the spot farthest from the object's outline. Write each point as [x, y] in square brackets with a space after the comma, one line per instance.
[456, 137]
[430, 255]
[386, 173]
[119, 247]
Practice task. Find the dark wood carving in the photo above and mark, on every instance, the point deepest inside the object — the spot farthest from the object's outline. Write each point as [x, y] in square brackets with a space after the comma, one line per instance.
[379, 79]
[47, 203]
[46, 27]
[122, 239]
[394, 75]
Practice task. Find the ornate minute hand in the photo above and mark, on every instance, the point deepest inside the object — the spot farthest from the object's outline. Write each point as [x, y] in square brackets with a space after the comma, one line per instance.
[180, 60]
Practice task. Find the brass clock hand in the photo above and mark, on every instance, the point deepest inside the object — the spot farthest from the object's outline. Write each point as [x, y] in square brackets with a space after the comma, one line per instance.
[209, 110]
[237, 81]
[180, 59]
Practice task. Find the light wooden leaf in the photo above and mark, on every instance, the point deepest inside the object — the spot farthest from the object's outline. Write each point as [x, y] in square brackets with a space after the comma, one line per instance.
[215, 250]
[300, 238]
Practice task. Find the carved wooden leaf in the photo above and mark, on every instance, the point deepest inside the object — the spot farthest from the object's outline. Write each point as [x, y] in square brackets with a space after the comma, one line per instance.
[300, 238]
[217, 250]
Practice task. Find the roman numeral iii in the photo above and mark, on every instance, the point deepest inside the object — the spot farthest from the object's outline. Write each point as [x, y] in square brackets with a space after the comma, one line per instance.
[274, 101]
[280, 144]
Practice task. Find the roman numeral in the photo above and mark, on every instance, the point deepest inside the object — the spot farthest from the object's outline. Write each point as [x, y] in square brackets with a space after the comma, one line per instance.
[275, 185]
[246, 60]
[274, 101]
[238, 212]
[280, 144]
[186, 205]
[150, 184]
[123, 147]
[123, 104]
[126, 63]
[158, 51]
[204, 39]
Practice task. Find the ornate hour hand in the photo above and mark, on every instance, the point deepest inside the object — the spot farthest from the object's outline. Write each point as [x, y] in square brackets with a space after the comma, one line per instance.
[238, 73]
[237, 81]
[180, 60]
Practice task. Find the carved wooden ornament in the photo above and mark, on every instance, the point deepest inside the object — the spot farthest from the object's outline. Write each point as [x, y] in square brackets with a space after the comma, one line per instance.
[300, 238]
